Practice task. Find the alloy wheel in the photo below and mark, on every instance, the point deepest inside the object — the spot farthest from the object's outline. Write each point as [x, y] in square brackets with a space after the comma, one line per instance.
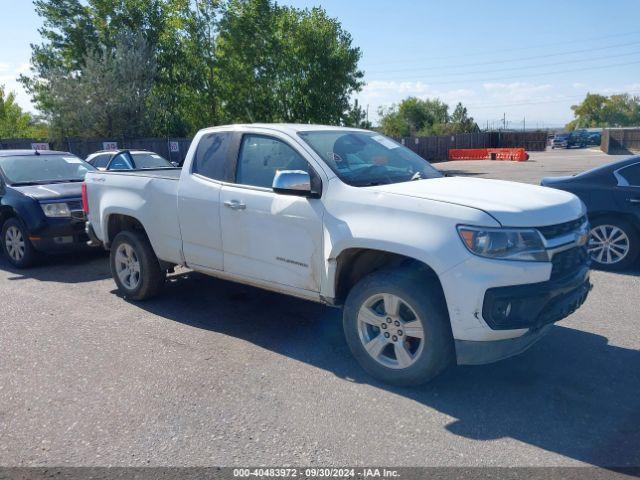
[15, 243]
[608, 244]
[127, 266]
[390, 331]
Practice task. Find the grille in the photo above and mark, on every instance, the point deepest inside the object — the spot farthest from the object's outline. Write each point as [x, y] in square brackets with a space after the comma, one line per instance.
[553, 231]
[569, 262]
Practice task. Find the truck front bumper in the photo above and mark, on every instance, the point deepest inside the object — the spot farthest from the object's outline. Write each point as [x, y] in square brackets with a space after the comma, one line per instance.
[499, 308]
[469, 352]
[537, 306]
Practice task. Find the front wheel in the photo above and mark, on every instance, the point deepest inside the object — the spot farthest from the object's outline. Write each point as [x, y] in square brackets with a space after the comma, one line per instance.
[135, 267]
[614, 244]
[396, 326]
[16, 244]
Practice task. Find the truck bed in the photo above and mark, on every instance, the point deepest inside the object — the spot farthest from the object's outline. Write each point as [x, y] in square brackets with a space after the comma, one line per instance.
[149, 196]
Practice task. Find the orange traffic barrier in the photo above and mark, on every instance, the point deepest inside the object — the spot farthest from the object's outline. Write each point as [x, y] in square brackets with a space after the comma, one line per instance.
[513, 154]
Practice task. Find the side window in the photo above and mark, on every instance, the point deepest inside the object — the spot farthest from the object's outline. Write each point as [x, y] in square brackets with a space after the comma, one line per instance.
[121, 162]
[632, 174]
[212, 155]
[101, 161]
[261, 157]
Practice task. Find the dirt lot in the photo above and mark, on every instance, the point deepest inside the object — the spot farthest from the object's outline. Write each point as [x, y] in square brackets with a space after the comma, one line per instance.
[541, 164]
[214, 373]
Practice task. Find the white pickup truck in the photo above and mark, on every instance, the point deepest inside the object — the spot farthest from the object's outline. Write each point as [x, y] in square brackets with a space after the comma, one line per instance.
[430, 270]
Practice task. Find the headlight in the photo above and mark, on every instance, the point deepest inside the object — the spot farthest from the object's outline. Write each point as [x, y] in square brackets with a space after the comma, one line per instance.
[504, 243]
[56, 209]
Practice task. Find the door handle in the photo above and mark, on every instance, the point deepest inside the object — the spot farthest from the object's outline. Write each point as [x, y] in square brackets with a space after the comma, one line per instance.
[633, 200]
[235, 205]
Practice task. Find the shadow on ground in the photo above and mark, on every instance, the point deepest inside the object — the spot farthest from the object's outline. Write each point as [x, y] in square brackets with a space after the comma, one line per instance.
[77, 267]
[572, 393]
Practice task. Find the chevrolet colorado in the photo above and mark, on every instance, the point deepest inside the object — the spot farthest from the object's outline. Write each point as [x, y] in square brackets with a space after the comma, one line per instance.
[429, 270]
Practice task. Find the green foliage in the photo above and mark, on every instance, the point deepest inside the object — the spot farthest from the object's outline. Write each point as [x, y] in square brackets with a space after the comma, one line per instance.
[14, 122]
[210, 62]
[357, 117]
[417, 117]
[108, 96]
[600, 111]
[281, 64]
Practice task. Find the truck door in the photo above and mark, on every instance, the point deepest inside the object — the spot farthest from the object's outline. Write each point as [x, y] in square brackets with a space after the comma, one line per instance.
[199, 200]
[268, 236]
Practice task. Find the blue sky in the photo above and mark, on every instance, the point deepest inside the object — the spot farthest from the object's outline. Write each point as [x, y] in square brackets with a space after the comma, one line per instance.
[528, 60]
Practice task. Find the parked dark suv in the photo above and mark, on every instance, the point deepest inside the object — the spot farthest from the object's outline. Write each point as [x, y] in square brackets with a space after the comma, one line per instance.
[570, 140]
[40, 203]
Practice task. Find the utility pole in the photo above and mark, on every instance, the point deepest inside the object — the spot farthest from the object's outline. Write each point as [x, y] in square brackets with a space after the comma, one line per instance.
[504, 121]
[524, 123]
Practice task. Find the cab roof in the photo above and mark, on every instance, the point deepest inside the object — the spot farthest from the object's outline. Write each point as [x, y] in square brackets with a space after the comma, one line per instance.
[283, 127]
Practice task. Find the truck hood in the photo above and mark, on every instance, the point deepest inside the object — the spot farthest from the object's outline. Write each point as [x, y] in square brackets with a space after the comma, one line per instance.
[52, 191]
[510, 203]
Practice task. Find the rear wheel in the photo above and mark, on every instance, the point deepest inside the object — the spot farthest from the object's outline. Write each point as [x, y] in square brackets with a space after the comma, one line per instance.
[613, 244]
[16, 244]
[135, 267]
[397, 328]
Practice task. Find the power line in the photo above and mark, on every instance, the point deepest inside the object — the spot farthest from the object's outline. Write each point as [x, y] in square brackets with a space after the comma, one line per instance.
[529, 75]
[542, 102]
[565, 62]
[531, 47]
[509, 60]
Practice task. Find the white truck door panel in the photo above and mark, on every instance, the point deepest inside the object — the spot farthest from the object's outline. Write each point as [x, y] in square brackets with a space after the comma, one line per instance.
[272, 237]
[199, 210]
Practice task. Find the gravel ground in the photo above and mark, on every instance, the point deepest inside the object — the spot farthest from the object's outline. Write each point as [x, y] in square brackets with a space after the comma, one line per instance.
[215, 373]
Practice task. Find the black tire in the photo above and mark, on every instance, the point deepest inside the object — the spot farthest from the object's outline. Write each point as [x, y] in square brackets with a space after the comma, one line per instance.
[30, 254]
[151, 275]
[634, 244]
[424, 296]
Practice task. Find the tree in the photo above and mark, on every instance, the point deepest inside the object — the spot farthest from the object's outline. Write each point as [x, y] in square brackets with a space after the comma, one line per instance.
[417, 117]
[108, 95]
[214, 61]
[357, 117]
[14, 122]
[461, 122]
[282, 64]
[600, 111]
[77, 31]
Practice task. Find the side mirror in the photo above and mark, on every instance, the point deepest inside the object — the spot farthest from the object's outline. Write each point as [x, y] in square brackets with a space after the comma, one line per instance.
[175, 164]
[292, 182]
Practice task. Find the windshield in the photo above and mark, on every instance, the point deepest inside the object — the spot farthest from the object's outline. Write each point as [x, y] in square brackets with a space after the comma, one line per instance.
[46, 168]
[150, 160]
[368, 158]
